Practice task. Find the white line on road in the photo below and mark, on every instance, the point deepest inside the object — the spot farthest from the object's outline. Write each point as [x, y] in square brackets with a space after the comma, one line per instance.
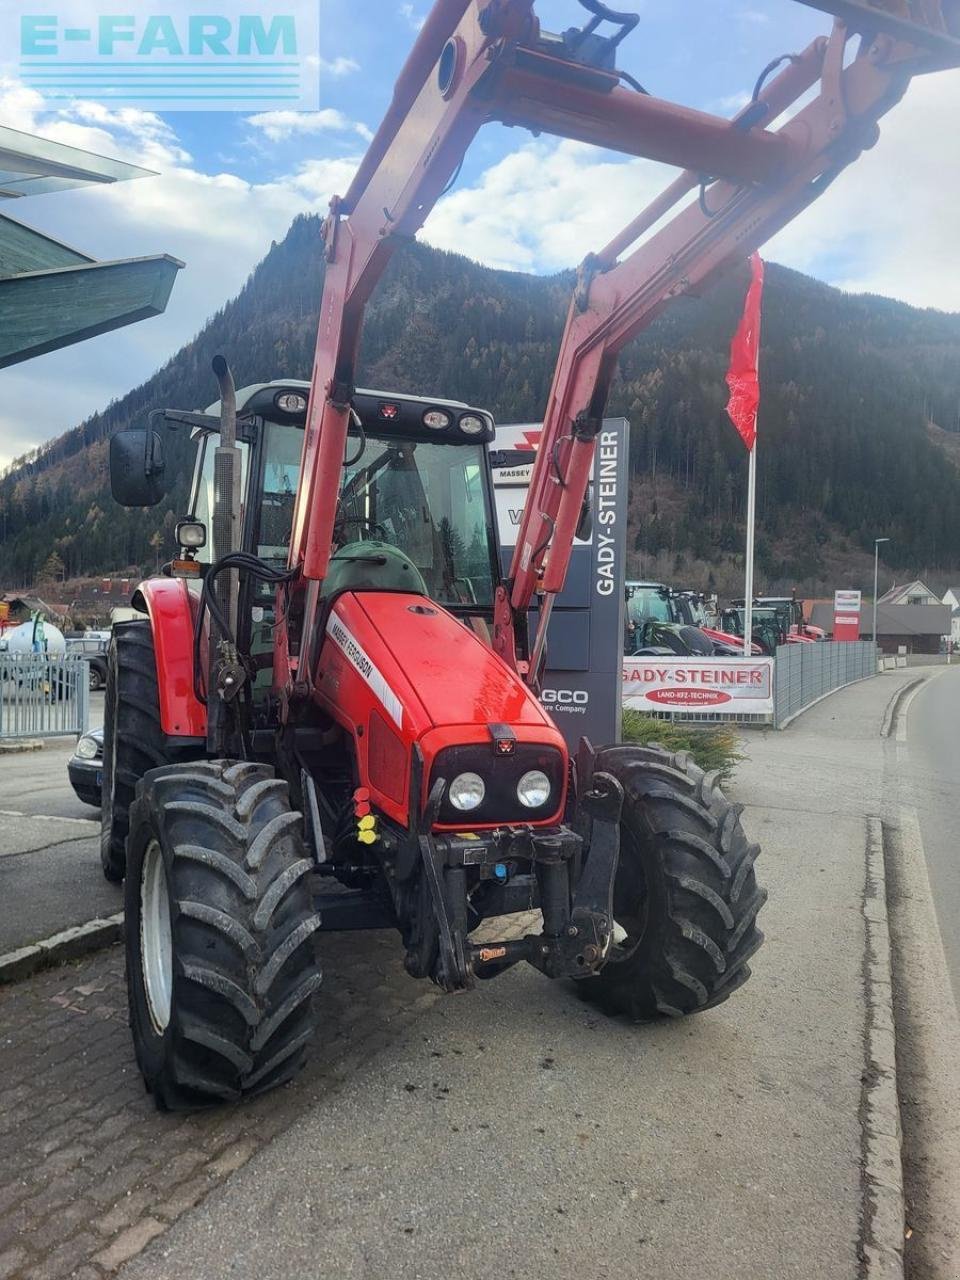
[48, 817]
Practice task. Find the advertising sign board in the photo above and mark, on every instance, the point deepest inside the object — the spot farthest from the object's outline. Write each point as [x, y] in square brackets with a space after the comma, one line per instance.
[723, 686]
[581, 682]
[846, 615]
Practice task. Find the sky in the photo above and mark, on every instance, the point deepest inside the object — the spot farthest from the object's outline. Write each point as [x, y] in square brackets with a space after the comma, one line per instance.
[229, 183]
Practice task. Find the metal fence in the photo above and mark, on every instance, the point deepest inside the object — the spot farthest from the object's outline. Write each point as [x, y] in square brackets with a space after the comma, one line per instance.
[805, 672]
[43, 696]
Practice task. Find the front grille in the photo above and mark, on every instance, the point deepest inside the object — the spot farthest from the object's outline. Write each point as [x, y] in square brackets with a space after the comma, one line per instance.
[500, 775]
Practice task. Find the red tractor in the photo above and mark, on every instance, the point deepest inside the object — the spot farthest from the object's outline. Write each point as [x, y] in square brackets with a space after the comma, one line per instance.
[334, 683]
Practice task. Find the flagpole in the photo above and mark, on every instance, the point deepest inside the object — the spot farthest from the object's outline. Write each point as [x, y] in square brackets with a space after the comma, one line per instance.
[748, 568]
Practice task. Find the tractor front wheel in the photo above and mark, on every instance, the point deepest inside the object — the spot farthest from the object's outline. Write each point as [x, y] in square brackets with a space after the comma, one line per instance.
[685, 896]
[220, 964]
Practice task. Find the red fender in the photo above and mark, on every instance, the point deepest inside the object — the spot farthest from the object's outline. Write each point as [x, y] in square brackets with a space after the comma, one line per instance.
[172, 609]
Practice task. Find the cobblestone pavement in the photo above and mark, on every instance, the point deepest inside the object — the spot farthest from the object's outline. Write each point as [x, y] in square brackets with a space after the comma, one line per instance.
[90, 1172]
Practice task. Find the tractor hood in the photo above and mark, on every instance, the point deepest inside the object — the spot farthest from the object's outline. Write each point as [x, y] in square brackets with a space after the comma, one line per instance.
[407, 679]
[426, 670]
[456, 679]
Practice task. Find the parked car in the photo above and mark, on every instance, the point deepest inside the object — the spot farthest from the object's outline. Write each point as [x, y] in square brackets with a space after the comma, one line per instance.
[93, 646]
[85, 767]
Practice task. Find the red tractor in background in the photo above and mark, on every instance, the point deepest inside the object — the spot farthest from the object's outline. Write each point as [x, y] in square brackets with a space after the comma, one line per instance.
[789, 613]
[346, 689]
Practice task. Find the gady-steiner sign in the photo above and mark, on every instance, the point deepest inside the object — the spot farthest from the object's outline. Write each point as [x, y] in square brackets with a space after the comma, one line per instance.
[581, 683]
[723, 686]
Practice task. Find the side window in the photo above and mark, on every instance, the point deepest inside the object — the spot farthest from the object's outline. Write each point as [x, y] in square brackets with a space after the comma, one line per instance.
[281, 475]
[202, 505]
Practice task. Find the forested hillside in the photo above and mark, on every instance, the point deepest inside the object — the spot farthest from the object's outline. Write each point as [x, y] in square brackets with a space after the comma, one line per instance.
[858, 434]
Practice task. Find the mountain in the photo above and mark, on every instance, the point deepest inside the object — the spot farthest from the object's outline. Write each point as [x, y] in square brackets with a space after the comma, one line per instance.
[859, 429]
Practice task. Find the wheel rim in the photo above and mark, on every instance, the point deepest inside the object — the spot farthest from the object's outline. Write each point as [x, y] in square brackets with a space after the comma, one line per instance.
[156, 944]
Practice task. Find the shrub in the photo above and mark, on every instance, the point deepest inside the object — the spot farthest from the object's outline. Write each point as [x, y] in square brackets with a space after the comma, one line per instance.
[712, 747]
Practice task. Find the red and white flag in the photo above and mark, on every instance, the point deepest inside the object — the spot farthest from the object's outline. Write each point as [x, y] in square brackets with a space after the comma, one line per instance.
[742, 376]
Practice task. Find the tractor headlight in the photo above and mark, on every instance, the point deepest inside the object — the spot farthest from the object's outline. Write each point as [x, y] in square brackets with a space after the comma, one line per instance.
[466, 791]
[471, 424]
[87, 748]
[437, 419]
[192, 534]
[533, 789]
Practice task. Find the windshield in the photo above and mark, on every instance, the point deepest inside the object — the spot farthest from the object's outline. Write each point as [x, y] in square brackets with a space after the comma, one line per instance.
[429, 500]
[646, 604]
[692, 611]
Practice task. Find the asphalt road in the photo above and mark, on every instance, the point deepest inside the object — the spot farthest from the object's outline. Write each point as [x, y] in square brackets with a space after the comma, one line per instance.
[50, 875]
[933, 737]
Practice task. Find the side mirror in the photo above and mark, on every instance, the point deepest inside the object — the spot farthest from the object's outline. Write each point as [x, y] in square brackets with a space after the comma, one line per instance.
[137, 468]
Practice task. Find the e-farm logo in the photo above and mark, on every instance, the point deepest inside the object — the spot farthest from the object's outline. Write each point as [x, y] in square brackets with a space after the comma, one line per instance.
[189, 55]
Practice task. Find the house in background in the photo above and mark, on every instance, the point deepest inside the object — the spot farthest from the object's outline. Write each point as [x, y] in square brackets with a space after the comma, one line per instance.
[951, 598]
[914, 593]
[901, 628]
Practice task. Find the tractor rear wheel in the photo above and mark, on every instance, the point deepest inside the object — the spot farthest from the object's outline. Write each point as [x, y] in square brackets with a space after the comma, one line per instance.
[133, 740]
[685, 896]
[220, 964]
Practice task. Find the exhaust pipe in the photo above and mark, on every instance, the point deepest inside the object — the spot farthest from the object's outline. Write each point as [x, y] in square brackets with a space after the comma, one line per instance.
[226, 489]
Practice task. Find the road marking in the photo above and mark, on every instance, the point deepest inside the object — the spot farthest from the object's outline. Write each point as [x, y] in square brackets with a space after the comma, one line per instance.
[48, 817]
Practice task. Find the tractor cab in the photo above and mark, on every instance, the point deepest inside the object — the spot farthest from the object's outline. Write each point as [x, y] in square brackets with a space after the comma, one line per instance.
[654, 623]
[415, 481]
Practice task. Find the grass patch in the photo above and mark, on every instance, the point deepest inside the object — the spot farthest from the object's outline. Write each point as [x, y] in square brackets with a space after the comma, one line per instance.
[713, 747]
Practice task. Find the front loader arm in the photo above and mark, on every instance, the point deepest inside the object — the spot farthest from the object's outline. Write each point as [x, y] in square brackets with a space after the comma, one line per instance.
[480, 60]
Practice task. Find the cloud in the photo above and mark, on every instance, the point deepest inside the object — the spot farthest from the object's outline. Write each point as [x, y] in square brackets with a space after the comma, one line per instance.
[219, 224]
[337, 67]
[414, 20]
[888, 224]
[280, 125]
[543, 207]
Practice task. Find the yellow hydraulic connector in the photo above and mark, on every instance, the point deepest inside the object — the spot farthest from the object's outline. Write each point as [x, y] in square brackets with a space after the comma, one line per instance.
[367, 829]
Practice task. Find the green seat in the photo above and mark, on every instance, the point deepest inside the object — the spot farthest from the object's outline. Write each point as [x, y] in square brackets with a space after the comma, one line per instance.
[373, 566]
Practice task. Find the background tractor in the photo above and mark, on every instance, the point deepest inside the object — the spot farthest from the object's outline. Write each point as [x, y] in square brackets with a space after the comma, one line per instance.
[658, 621]
[334, 683]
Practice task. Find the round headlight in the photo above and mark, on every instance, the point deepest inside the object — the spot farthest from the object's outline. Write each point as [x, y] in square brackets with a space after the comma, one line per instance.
[466, 791]
[87, 748]
[533, 789]
[291, 402]
[471, 424]
[437, 419]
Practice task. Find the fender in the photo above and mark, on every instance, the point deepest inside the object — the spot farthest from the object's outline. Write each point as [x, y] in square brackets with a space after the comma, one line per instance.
[172, 609]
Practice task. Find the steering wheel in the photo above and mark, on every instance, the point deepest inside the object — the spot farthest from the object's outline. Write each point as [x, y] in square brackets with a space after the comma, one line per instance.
[374, 526]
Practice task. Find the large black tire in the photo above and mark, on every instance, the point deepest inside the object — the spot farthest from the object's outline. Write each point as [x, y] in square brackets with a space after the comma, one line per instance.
[242, 966]
[685, 890]
[133, 740]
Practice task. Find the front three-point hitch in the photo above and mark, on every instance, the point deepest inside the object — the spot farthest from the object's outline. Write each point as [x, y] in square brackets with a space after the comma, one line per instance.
[569, 876]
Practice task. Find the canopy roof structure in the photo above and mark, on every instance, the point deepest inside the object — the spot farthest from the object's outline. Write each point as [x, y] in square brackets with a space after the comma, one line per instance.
[52, 295]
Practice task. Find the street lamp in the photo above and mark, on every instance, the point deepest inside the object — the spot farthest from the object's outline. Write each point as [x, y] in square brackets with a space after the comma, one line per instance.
[876, 567]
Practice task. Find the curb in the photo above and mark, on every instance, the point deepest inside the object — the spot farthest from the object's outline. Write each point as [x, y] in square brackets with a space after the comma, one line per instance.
[24, 744]
[881, 1178]
[70, 944]
[894, 705]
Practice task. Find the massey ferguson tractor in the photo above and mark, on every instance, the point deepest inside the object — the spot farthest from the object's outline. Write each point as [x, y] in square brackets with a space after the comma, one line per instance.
[329, 717]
